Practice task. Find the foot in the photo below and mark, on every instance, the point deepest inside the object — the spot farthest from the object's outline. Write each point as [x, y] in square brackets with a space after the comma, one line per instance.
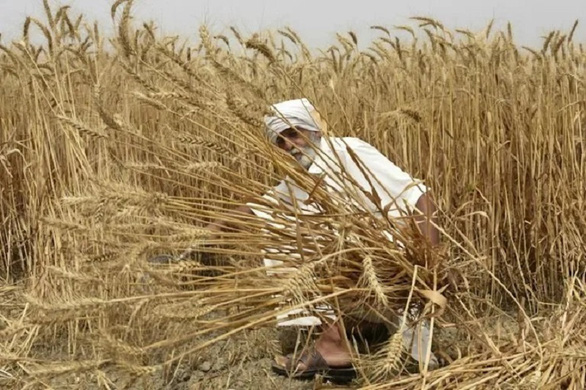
[329, 352]
[311, 359]
[333, 347]
[309, 363]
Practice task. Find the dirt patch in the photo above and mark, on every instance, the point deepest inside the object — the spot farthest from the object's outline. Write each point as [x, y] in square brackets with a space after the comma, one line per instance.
[230, 365]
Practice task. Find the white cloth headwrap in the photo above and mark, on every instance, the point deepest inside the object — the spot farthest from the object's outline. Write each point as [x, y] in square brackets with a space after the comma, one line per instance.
[291, 113]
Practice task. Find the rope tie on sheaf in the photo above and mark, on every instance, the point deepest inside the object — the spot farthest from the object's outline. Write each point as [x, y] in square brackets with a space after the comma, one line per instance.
[436, 298]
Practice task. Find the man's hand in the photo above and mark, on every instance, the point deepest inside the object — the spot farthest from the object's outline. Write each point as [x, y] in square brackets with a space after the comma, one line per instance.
[427, 219]
[219, 226]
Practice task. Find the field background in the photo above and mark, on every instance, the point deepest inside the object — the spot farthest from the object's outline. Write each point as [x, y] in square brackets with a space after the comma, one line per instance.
[113, 149]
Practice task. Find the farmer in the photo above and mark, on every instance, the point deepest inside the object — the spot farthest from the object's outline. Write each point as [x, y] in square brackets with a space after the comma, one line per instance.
[295, 128]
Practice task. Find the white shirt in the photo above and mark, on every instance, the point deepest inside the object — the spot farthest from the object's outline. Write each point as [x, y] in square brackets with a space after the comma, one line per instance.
[393, 186]
[397, 190]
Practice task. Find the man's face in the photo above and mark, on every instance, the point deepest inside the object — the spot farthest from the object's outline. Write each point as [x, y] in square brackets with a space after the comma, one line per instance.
[297, 142]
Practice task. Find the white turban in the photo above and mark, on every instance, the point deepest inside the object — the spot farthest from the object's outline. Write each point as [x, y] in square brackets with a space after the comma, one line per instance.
[291, 113]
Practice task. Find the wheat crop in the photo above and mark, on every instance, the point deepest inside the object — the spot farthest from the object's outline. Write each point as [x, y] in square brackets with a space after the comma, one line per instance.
[117, 149]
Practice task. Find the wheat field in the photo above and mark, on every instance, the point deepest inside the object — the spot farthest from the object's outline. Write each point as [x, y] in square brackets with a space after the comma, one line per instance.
[114, 149]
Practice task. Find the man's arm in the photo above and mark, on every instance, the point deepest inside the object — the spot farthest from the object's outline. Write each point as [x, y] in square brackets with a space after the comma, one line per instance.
[216, 227]
[221, 226]
[427, 219]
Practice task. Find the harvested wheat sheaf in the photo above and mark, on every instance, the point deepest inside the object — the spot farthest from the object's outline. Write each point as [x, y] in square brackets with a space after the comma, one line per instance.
[111, 156]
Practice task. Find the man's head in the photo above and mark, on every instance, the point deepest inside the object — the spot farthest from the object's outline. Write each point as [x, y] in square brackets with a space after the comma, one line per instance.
[294, 129]
[300, 143]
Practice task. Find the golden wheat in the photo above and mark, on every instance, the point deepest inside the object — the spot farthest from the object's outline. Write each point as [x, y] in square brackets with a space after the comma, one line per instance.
[172, 139]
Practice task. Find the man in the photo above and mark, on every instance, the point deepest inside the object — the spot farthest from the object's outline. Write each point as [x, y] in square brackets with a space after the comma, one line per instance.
[295, 128]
